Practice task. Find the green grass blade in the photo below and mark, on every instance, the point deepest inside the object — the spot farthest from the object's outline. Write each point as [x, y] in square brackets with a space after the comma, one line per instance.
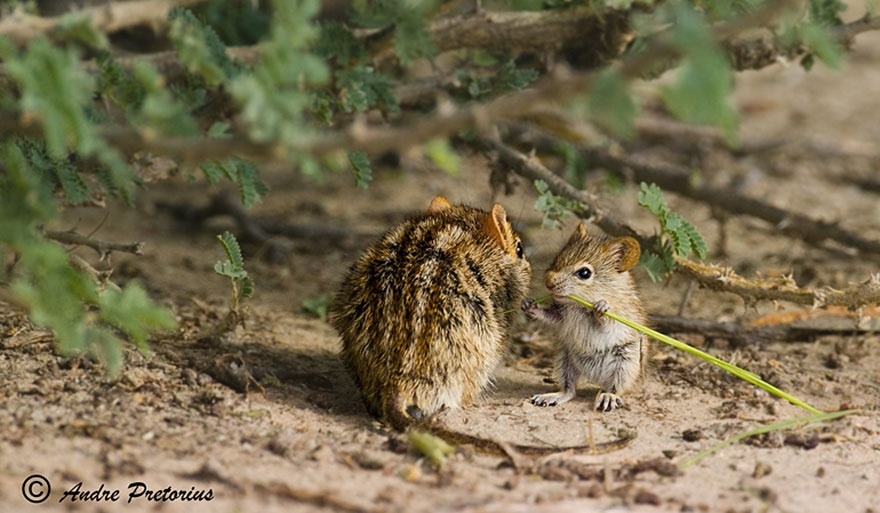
[776, 426]
[733, 369]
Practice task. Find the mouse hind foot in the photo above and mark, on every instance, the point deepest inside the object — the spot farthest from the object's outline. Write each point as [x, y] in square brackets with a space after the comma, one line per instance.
[607, 401]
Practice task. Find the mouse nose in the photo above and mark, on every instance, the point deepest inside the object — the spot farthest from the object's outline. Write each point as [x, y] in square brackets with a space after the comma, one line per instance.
[550, 279]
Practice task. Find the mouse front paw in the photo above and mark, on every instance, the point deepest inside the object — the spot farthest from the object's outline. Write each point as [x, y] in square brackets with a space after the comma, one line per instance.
[553, 399]
[606, 401]
[530, 307]
[600, 307]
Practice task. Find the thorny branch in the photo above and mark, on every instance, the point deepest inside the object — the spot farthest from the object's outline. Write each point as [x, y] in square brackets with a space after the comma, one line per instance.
[724, 279]
[103, 248]
[20, 27]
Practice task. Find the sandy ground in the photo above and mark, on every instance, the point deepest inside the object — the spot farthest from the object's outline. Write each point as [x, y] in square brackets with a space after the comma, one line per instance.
[302, 441]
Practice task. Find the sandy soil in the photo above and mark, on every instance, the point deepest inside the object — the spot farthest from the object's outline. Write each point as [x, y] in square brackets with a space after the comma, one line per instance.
[301, 439]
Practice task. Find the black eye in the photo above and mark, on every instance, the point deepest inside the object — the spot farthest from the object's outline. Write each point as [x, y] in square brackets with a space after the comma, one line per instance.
[519, 250]
[584, 273]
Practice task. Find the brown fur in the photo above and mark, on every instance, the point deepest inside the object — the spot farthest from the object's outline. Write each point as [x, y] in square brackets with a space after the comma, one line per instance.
[424, 313]
[590, 344]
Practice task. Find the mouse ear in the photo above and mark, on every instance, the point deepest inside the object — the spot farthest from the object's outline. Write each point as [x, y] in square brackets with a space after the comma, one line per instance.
[627, 251]
[582, 231]
[497, 227]
[438, 204]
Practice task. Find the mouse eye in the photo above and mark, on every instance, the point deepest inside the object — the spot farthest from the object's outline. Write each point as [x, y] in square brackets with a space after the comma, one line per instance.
[519, 250]
[584, 273]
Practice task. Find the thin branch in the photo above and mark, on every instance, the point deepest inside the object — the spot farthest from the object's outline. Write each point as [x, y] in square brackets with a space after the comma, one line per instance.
[101, 278]
[20, 27]
[600, 33]
[766, 51]
[103, 248]
[724, 279]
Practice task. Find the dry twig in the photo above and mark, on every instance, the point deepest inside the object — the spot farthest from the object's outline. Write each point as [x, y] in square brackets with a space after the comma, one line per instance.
[20, 27]
[103, 248]
[724, 279]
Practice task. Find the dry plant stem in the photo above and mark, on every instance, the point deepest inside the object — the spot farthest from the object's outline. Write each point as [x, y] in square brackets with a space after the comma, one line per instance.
[103, 248]
[724, 279]
[533, 31]
[765, 51]
[113, 16]
[101, 278]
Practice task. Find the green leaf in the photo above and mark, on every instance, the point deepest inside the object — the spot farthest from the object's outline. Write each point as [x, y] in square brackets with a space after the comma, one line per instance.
[653, 265]
[412, 39]
[697, 244]
[442, 155]
[701, 93]
[233, 268]
[575, 163]
[106, 347]
[118, 85]
[611, 106]
[822, 44]
[199, 48]
[133, 312]
[240, 172]
[651, 198]
[510, 78]
[76, 191]
[360, 88]
[213, 171]
[825, 12]
[318, 306]
[677, 235]
[272, 97]
[160, 111]
[555, 208]
[336, 41]
[251, 188]
[76, 26]
[233, 254]
[55, 293]
[25, 200]
[55, 90]
[219, 130]
[360, 165]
